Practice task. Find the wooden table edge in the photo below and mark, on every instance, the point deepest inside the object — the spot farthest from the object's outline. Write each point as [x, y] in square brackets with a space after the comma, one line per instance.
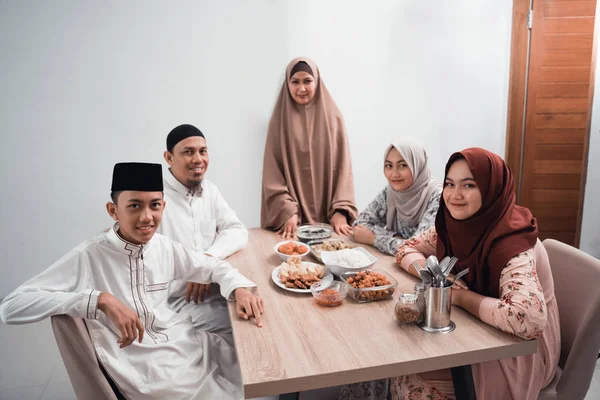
[300, 384]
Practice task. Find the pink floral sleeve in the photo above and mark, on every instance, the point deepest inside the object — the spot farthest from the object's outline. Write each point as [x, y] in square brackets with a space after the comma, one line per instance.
[418, 247]
[521, 309]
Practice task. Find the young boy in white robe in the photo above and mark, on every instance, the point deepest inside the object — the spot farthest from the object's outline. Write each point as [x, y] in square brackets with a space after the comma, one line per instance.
[118, 282]
[199, 218]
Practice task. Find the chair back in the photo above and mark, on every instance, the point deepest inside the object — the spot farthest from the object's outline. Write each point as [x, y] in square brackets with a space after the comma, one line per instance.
[576, 286]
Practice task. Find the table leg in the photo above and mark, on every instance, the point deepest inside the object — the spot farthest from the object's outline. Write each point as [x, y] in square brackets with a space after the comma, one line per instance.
[290, 396]
[464, 387]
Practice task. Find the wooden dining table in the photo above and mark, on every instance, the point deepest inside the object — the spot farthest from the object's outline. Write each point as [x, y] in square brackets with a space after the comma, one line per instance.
[304, 346]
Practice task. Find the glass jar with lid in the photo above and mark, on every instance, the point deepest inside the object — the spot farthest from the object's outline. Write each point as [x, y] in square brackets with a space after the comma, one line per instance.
[406, 310]
[420, 293]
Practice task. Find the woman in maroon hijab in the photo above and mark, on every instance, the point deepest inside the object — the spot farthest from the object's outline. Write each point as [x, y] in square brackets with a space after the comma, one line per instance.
[509, 284]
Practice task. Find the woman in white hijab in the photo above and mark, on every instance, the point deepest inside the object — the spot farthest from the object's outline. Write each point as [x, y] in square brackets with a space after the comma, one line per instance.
[406, 206]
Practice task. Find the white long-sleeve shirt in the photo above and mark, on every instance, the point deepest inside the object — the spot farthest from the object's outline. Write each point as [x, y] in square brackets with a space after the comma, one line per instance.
[174, 360]
[201, 221]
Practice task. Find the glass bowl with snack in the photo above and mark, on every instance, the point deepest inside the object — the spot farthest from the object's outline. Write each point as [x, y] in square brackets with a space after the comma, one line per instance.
[329, 294]
[370, 285]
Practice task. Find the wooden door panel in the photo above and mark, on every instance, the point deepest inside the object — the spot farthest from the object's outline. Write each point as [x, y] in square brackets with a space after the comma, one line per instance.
[557, 224]
[565, 105]
[555, 210]
[560, 136]
[564, 74]
[569, 8]
[569, 25]
[567, 58]
[562, 90]
[559, 152]
[556, 181]
[560, 121]
[557, 167]
[568, 42]
[559, 196]
[552, 160]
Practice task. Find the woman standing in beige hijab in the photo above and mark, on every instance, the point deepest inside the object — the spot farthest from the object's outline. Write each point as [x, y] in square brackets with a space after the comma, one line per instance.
[307, 171]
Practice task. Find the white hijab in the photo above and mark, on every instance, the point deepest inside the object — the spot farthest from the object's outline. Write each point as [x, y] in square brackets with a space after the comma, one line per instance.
[410, 204]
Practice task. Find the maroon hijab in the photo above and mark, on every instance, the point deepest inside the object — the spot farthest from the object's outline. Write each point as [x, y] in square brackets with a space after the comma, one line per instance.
[500, 230]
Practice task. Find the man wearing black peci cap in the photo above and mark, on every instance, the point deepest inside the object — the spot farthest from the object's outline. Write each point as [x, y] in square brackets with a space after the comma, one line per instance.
[118, 282]
[199, 218]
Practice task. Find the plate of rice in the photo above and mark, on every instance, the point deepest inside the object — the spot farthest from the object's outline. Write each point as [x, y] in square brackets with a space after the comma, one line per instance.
[348, 260]
[331, 245]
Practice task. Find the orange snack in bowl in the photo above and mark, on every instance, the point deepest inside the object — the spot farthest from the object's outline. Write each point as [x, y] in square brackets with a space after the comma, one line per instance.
[287, 248]
[301, 249]
[291, 249]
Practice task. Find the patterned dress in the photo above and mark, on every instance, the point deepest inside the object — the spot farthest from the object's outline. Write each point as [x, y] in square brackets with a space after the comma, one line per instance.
[374, 218]
[386, 241]
[524, 309]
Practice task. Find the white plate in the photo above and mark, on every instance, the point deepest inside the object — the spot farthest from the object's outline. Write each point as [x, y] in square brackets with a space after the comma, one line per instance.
[339, 269]
[317, 252]
[275, 276]
[327, 255]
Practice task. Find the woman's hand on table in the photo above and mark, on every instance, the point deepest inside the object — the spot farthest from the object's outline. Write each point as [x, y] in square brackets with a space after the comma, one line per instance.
[466, 299]
[249, 305]
[459, 288]
[339, 222]
[456, 296]
[288, 230]
[362, 234]
[458, 284]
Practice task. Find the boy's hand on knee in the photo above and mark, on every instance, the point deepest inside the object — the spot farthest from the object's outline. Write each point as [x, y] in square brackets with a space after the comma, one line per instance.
[197, 291]
[248, 305]
[126, 321]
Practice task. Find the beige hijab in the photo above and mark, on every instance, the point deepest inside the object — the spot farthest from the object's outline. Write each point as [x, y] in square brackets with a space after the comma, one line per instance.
[307, 168]
[410, 204]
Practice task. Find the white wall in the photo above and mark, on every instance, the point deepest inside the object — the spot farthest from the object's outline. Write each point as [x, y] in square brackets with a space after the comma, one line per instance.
[590, 231]
[86, 84]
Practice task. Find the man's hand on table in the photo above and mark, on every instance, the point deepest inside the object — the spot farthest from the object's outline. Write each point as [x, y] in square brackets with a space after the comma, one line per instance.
[249, 305]
[126, 320]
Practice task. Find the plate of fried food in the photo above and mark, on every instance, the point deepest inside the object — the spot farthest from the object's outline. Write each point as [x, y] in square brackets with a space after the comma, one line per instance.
[297, 276]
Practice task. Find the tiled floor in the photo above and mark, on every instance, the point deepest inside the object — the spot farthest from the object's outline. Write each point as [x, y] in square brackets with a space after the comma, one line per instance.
[31, 367]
